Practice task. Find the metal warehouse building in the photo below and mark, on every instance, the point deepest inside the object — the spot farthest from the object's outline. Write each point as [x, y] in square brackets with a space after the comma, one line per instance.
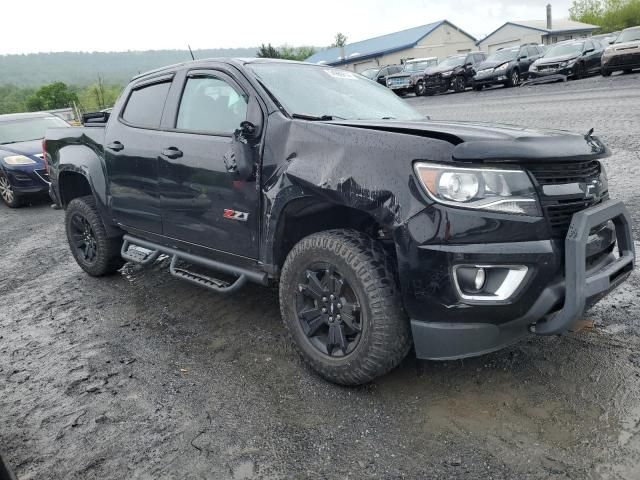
[542, 32]
[439, 39]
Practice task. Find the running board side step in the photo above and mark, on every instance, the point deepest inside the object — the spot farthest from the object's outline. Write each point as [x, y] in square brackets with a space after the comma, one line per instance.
[220, 286]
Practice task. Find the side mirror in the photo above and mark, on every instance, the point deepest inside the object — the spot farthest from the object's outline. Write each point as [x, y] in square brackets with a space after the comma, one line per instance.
[241, 159]
[469, 64]
[589, 50]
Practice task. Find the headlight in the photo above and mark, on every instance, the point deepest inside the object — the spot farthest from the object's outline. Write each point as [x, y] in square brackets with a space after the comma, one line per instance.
[533, 68]
[18, 160]
[607, 52]
[501, 68]
[447, 74]
[493, 189]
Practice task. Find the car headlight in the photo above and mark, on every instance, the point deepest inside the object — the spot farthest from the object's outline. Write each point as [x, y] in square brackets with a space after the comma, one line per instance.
[18, 160]
[447, 74]
[533, 67]
[493, 189]
[501, 68]
[607, 52]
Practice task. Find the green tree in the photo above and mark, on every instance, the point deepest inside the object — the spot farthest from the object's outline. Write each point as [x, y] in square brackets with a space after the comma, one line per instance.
[295, 53]
[49, 97]
[267, 51]
[610, 15]
[340, 40]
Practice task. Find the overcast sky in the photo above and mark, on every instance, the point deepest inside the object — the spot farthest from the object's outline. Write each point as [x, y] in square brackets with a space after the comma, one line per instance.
[115, 25]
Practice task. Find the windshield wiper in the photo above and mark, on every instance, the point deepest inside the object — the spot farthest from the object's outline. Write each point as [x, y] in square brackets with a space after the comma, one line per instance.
[315, 118]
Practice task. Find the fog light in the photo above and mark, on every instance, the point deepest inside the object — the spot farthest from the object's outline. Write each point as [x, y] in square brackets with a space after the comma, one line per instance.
[488, 283]
[481, 276]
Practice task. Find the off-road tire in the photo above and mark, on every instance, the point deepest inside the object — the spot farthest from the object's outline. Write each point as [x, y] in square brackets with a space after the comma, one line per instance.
[10, 198]
[385, 339]
[108, 259]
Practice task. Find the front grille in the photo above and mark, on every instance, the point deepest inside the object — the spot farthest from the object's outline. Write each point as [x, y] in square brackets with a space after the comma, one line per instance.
[398, 81]
[559, 212]
[559, 173]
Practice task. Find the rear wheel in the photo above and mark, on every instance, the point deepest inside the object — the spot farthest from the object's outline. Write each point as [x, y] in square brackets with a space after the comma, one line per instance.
[341, 305]
[96, 253]
[514, 79]
[9, 196]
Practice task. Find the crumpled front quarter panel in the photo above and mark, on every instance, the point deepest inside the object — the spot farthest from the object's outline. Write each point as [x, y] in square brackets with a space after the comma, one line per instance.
[361, 168]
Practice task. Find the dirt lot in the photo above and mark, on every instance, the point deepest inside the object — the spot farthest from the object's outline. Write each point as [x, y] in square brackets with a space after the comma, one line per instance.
[142, 376]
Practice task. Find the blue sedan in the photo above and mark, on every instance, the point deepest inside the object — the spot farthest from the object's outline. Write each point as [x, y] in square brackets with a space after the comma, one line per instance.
[22, 168]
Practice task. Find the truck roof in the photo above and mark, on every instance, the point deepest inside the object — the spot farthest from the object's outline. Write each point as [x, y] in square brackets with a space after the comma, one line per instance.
[205, 61]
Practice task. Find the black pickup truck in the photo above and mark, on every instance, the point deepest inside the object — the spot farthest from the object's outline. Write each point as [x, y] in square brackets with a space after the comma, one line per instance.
[384, 229]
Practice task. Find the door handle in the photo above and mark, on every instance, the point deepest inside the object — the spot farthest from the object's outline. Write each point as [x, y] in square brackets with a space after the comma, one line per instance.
[172, 153]
[115, 146]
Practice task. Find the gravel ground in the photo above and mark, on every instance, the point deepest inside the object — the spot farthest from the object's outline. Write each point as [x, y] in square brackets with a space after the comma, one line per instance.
[143, 376]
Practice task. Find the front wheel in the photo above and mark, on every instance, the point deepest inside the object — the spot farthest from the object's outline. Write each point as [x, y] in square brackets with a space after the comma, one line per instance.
[341, 305]
[605, 72]
[578, 71]
[419, 89]
[514, 79]
[96, 253]
[9, 196]
[459, 84]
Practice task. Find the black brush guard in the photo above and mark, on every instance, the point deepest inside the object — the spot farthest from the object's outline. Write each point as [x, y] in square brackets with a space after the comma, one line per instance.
[580, 286]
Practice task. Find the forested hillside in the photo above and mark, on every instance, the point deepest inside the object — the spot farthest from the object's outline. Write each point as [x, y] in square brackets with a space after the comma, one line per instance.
[77, 68]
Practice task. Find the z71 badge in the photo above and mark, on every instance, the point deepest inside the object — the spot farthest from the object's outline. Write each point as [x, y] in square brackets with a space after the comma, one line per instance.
[235, 215]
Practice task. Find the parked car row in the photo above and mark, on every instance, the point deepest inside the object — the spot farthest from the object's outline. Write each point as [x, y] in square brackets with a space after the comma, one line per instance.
[513, 65]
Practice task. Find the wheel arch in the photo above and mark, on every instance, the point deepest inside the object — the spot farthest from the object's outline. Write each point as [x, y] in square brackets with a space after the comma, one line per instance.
[304, 216]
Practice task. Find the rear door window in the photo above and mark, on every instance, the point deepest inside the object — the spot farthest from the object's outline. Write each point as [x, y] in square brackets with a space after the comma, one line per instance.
[145, 105]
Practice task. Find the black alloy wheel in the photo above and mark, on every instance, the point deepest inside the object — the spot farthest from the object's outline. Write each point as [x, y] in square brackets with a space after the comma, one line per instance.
[419, 89]
[84, 238]
[328, 311]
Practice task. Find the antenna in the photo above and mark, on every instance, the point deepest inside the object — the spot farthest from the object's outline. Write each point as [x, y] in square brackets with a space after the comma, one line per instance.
[191, 52]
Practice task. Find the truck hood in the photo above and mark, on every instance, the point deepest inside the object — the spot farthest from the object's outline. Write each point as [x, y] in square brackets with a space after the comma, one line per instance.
[477, 142]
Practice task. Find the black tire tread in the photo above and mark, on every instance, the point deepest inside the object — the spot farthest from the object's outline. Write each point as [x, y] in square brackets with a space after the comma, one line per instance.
[109, 259]
[390, 332]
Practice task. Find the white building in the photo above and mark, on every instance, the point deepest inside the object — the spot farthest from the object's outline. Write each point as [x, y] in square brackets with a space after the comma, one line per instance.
[439, 39]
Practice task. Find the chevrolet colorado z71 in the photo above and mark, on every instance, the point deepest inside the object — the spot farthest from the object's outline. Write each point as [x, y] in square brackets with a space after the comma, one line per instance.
[384, 229]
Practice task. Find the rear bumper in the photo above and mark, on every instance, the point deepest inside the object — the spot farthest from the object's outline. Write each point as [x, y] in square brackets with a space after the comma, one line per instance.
[556, 306]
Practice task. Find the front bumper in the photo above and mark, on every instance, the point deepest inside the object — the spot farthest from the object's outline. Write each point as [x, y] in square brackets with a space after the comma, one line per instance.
[437, 84]
[621, 62]
[565, 71]
[489, 79]
[552, 298]
[28, 180]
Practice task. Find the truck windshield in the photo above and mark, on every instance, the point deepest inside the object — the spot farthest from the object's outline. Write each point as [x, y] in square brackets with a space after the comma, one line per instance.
[25, 129]
[325, 93]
